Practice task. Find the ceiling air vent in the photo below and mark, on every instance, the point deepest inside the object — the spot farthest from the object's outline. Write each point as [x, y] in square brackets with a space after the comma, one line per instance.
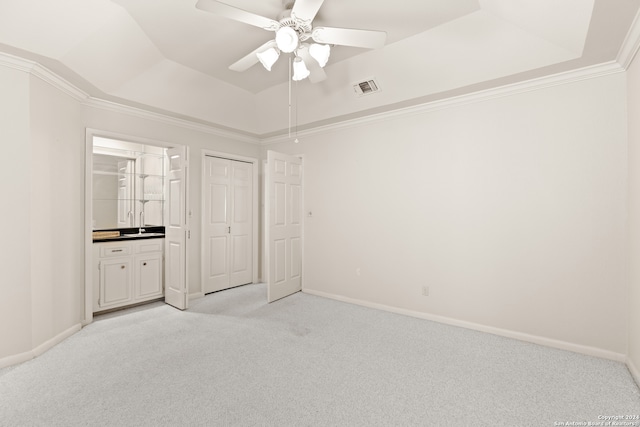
[366, 87]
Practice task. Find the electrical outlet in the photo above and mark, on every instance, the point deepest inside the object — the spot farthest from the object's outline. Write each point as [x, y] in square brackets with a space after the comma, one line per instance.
[425, 291]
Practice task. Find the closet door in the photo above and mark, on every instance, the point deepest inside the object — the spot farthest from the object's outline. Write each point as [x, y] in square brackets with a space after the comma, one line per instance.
[240, 249]
[217, 195]
[227, 231]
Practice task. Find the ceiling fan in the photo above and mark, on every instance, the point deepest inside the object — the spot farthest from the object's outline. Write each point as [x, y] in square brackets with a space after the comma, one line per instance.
[293, 29]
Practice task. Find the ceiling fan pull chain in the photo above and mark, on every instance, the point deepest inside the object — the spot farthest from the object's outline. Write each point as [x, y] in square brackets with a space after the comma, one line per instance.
[296, 122]
[290, 65]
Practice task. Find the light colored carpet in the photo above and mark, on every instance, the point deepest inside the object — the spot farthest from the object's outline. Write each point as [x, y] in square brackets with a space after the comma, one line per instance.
[233, 360]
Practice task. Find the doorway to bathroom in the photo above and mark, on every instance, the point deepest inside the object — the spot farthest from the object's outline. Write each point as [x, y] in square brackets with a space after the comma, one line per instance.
[136, 190]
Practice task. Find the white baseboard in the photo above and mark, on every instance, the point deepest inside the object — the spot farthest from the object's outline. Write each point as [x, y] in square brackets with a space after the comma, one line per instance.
[634, 371]
[15, 359]
[55, 340]
[195, 295]
[40, 349]
[549, 342]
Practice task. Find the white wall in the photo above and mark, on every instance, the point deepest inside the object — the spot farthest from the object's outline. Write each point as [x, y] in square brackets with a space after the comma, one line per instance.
[633, 94]
[512, 211]
[57, 211]
[41, 287]
[15, 178]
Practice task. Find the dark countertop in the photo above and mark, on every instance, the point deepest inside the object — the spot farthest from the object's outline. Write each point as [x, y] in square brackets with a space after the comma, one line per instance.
[127, 234]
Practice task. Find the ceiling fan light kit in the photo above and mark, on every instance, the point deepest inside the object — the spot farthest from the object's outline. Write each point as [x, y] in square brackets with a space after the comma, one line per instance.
[294, 28]
[300, 71]
[268, 57]
[287, 39]
[320, 52]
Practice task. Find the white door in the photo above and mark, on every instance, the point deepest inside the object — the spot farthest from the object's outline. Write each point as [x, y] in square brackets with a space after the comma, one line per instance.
[284, 225]
[227, 231]
[176, 230]
[241, 230]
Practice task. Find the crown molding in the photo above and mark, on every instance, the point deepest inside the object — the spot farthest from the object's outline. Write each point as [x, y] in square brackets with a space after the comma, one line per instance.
[59, 83]
[44, 74]
[631, 44]
[174, 121]
[625, 56]
[593, 71]
[16, 63]
[35, 69]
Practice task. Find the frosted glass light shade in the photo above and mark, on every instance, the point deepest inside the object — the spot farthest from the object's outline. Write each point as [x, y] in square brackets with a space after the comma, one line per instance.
[287, 39]
[300, 70]
[268, 57]
[320, 52]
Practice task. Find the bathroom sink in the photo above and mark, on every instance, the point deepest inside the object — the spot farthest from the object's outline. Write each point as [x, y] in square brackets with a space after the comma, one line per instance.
[144, 235]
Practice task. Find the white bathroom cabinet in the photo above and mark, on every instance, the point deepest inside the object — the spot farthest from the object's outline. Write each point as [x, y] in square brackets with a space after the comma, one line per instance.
[127, 272]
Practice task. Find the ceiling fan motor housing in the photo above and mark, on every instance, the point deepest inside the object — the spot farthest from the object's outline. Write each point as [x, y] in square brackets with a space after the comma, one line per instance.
[300, 27]
[297, 31]
[303, 28]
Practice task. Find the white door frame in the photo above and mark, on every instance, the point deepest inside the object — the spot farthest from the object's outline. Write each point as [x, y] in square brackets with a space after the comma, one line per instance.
[90, 133]
[255, 206]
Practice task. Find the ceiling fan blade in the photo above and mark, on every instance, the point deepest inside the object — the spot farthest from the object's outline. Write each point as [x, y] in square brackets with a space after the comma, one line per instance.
[348, 37]
[236, 14]
[317, 72]
[306, 10]
[251, 59]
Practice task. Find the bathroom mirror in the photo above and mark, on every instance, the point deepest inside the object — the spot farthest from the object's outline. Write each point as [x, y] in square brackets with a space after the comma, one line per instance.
[128, 184]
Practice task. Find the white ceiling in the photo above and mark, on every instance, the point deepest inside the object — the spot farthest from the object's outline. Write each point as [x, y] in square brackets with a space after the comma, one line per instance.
[168, 56]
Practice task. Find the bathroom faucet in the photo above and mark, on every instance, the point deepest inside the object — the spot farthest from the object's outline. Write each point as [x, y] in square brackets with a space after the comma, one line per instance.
[141, 230]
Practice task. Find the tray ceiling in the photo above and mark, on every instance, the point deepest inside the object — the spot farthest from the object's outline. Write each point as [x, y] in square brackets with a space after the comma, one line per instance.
[169, 56]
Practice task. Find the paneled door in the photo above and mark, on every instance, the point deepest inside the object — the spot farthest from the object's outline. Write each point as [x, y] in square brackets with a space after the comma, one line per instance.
[176, 229]
[228, 224]
[284, 225]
